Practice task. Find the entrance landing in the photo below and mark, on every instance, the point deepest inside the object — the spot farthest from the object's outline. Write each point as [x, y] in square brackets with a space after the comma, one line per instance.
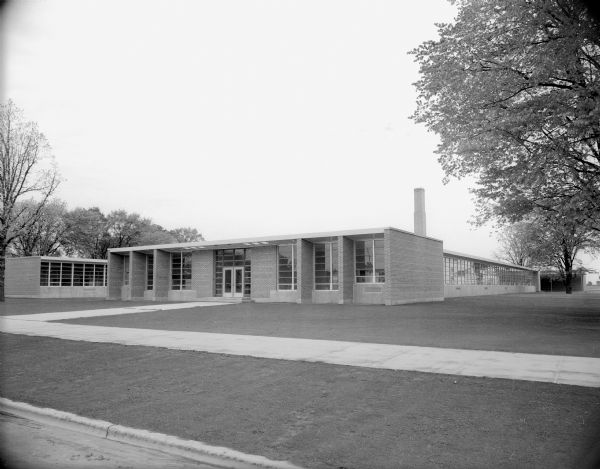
[580, 371]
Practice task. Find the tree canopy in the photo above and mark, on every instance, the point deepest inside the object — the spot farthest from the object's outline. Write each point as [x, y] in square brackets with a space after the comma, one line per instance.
[513, 90]
[542, 242]
[26, 171]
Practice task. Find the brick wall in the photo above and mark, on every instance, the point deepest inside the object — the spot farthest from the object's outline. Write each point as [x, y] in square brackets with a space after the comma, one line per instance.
[22, 277]
[137, 275]
[263, 262]
[162, 269]
[413, 268]
[203, 273]
[346, 269]
[305, 270]
[115, 275]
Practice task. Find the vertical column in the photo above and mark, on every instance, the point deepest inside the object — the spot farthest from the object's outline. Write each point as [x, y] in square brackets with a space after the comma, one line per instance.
[387, 252]
[161, 278]
[346, 270]
[203, 273]
[137, 274]
[305, 270]
[115, 276]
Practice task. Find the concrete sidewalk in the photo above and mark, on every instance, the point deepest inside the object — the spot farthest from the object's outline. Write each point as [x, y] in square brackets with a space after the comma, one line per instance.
[581, 371]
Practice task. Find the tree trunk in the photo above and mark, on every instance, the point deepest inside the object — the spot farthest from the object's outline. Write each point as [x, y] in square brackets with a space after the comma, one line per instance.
[568, 272]
[2, 270]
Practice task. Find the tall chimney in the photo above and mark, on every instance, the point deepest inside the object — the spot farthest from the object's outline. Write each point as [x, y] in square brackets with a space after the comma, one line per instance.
[420, 225]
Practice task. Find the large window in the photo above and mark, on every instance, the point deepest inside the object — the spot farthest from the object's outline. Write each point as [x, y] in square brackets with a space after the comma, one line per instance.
[370, 261]
[72, 274]
[149, 271]
[463, 271]
[326, 266]
[181, 271]
[286, 272]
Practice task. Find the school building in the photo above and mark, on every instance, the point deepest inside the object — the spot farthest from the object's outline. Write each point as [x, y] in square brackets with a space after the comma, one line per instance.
[370, 266]
[365, 266]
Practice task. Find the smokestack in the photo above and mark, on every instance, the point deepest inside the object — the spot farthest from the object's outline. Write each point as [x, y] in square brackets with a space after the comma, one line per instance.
[420, 225]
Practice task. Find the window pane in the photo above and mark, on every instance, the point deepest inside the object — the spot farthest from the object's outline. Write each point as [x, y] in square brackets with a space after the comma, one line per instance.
[54, 274]
[77, 275]
[364, 261]
[286, 254]
[88, 274]
[65, 280]
[44, 271]
[98, 275]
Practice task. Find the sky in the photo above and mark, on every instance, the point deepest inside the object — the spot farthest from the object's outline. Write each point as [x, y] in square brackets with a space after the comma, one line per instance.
[239, 118]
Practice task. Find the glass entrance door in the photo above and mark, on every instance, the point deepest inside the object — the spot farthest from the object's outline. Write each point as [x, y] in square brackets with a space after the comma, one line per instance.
[233, 282]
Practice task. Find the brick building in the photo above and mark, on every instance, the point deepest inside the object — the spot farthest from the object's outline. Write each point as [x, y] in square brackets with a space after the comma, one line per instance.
[55, 277]
[370, 266]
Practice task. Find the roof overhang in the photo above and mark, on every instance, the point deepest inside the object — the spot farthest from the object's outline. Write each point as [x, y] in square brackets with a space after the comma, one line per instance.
[253, 242]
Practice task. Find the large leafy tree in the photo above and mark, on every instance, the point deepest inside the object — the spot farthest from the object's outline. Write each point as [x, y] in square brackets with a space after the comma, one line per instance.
[26, 171]
[512, 88]
[87, 234]
[540, 241]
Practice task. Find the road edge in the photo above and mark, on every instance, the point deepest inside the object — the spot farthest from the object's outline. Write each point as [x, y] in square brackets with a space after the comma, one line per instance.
[218, 456]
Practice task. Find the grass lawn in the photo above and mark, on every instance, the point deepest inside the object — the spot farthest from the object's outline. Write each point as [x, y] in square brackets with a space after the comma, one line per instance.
[316, 415]
[15, 306]
[555, 324]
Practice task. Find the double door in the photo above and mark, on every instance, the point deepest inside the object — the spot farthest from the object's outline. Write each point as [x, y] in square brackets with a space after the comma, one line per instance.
[233, 282]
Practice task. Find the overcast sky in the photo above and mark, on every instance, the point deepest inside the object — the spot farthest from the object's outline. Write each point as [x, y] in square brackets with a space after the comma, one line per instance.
[238, 118]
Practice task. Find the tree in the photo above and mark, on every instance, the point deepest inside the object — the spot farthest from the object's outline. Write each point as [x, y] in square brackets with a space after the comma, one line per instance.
[45, 237]
[87, 234]
[156, 234]
[542, 241]
[513, 91]
[126, 229]
[186, 235]
[26, 169]
[519, 244]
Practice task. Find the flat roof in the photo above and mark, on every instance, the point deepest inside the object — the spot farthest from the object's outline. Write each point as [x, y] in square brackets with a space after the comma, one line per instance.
[260, 240]
[60, 259]
[489, 261]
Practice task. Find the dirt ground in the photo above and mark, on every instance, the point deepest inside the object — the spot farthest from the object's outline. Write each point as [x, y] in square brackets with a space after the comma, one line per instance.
[555, 324]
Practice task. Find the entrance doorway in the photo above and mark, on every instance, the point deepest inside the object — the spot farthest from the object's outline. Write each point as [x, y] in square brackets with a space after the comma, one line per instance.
[233, 282]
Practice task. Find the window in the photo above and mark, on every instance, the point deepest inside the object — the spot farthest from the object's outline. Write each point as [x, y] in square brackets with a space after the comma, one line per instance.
[370, 261]
[286, 272]
[181, 271]
[67, 274]
[326, 266]
[44, 274]
[55, 274]
[78, 275]
[88, 275]
[98, 275]
[66, 279]
[150, 272]
[459, 271]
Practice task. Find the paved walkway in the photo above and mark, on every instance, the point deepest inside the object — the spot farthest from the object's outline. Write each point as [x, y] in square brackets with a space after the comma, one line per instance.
[581, 371]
